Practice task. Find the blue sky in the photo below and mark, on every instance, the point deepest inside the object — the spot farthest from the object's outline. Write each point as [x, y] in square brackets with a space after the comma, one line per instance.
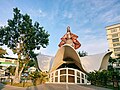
[87, 19]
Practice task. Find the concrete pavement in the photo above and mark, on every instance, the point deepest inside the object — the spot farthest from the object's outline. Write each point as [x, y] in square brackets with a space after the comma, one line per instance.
[53, 87]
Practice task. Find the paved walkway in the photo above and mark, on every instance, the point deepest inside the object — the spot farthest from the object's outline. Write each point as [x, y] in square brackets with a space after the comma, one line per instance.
[52, 87]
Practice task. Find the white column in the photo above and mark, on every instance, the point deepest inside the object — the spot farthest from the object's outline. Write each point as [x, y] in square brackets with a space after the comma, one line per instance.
[75, 76]
[54, 76]
[80, 78]
[66, 75]
[58, 76]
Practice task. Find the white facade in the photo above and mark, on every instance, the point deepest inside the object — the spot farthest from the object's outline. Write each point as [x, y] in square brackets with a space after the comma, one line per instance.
[76, 64]
[68, 75]
[113, 38]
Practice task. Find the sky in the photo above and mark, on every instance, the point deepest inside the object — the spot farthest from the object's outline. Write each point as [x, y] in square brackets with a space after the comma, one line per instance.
[86, 18]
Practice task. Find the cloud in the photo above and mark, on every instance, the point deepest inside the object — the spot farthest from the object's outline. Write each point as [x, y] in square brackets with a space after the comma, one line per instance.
[3, 23]
[110, 16]
[87, 31]
[93, 41]
[10, 53]
[37, 13]
[104, 12]
[68, 15]
[95, 46]
[101, 4]
[96, 11]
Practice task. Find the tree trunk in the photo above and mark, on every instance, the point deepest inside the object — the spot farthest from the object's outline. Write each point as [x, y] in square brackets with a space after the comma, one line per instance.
[20, 72]
[16, 78]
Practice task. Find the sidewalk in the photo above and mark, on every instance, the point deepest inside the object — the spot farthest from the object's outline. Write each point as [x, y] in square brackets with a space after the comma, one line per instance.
[52, 87]
[8, 87]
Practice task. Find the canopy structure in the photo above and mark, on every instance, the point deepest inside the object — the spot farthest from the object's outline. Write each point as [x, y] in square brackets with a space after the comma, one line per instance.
[63, 53]
[95, 62]
[44, 62]
[86, 64]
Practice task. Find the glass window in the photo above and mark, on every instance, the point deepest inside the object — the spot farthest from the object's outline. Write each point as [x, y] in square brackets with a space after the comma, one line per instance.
[115, 40]
[63, 78]
[82, 80]
[63, 71]
[52, 79]
[71, 72]
[71, 79]
[82, 75]
[117, 49]
[113, 30]
[78, 74]
[52, 75]
[115, 35]
[78, 80]
[116, 44]
[56, 73]
[56, 79]
[116, 54]
[85, 77]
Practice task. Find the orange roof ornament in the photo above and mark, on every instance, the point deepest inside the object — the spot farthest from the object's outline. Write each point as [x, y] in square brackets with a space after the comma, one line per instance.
[70, 38]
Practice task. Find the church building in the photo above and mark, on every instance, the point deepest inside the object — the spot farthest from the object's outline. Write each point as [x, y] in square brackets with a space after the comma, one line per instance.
[67, 66]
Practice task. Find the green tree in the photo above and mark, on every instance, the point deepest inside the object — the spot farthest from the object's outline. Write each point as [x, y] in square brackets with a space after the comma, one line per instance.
[43, 77]
[112, 61]
[92, 78]
[100, 77]
[83, 53]
[23, 37]
[2, 52]
[39, 77]
[11, 70]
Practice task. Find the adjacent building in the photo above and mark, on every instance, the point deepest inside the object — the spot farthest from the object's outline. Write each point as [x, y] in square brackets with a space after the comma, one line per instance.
[5, 63]
[113, 37]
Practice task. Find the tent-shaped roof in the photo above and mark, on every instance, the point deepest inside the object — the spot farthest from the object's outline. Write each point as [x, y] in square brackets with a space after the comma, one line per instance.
[64, 52]
[86, 64]
[95, 62]
[44, 62]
